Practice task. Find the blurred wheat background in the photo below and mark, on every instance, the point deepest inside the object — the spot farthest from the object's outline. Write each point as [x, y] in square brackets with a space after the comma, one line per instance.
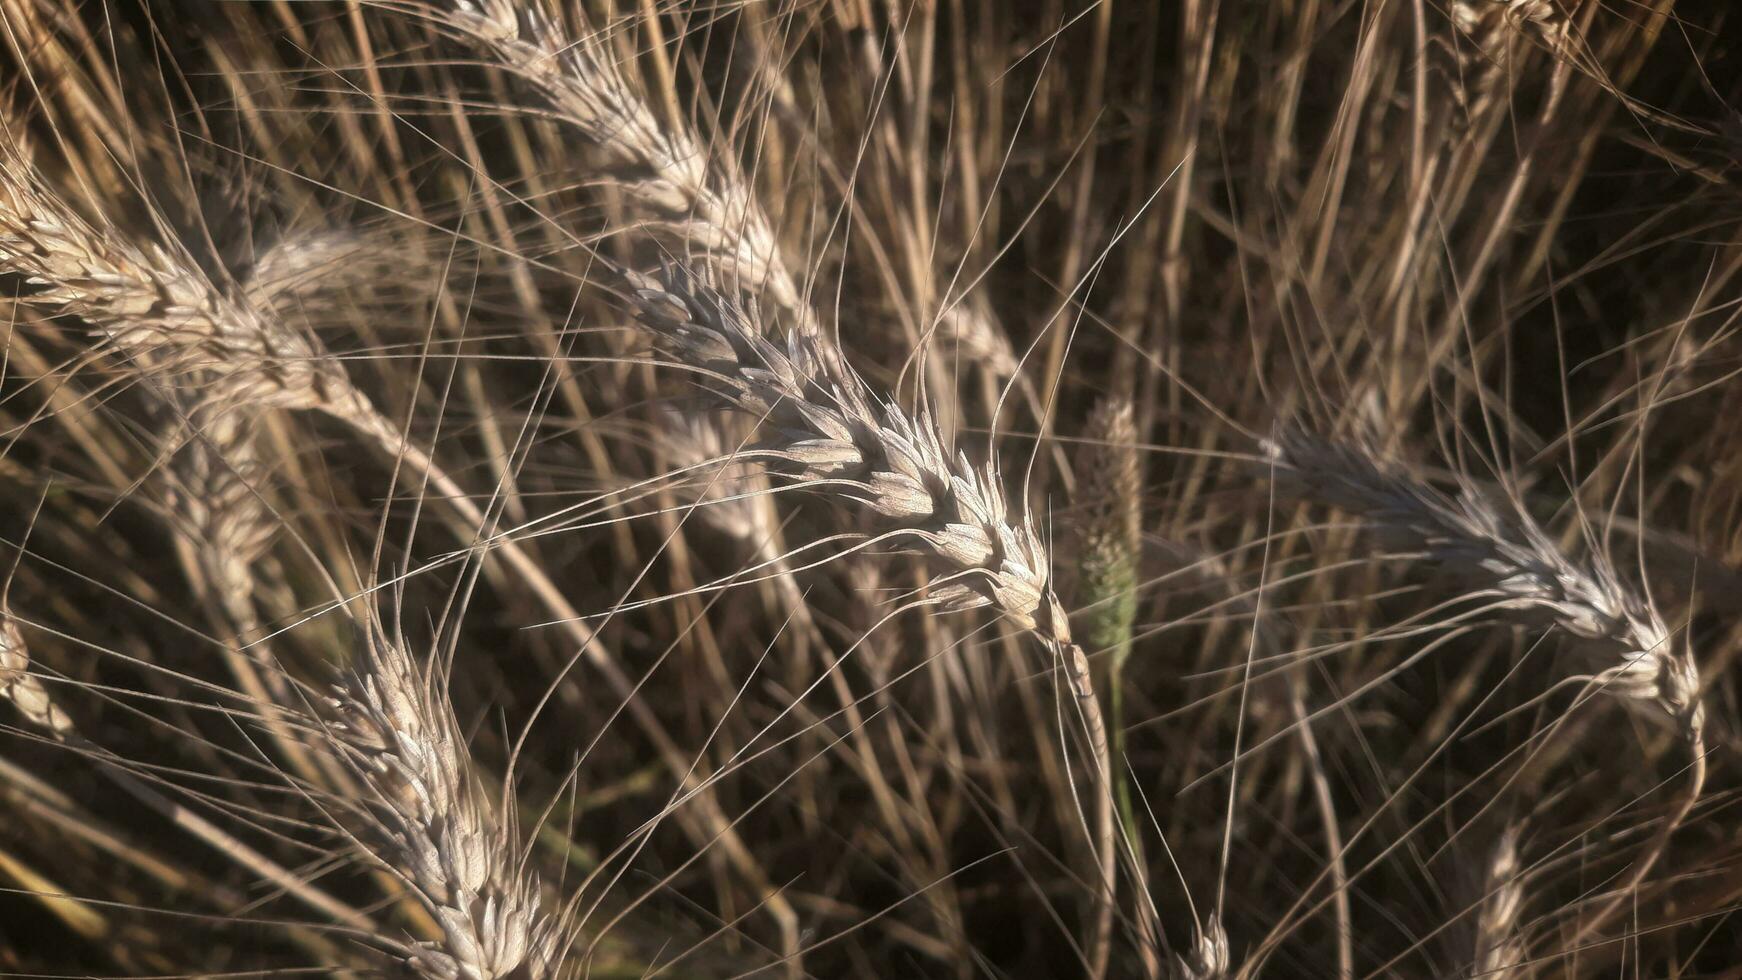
[870, 488]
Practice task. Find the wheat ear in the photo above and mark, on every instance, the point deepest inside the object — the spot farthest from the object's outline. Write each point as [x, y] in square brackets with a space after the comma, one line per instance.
[860, 450]
[706, 205]
[427, 819]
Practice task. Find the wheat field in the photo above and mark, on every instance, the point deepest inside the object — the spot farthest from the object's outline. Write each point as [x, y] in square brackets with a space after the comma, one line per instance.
[523, 489]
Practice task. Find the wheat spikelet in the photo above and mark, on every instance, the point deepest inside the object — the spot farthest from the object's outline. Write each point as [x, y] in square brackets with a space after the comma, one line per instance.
[27, 692]
[1209, 957]
[1500, 951]
[428, 820]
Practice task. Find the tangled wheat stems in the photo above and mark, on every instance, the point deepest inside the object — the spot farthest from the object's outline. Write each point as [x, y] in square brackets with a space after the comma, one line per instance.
[1510, 564]
[830, 433]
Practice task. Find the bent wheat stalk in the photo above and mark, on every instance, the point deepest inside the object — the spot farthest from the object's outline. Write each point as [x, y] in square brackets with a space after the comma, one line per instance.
[1512, 564]
[838, 438]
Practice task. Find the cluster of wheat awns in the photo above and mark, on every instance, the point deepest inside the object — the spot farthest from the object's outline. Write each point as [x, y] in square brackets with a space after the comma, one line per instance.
[556, 488]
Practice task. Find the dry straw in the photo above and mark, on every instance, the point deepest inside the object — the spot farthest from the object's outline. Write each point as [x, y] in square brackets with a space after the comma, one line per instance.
[152, 306]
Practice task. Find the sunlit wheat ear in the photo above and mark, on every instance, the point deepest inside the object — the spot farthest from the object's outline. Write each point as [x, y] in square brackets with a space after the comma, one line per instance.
[703, 203]
[25, 690]
[858, 450]
[1500, 950]
[152, 304]
[1506, 560]
[428, 820]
